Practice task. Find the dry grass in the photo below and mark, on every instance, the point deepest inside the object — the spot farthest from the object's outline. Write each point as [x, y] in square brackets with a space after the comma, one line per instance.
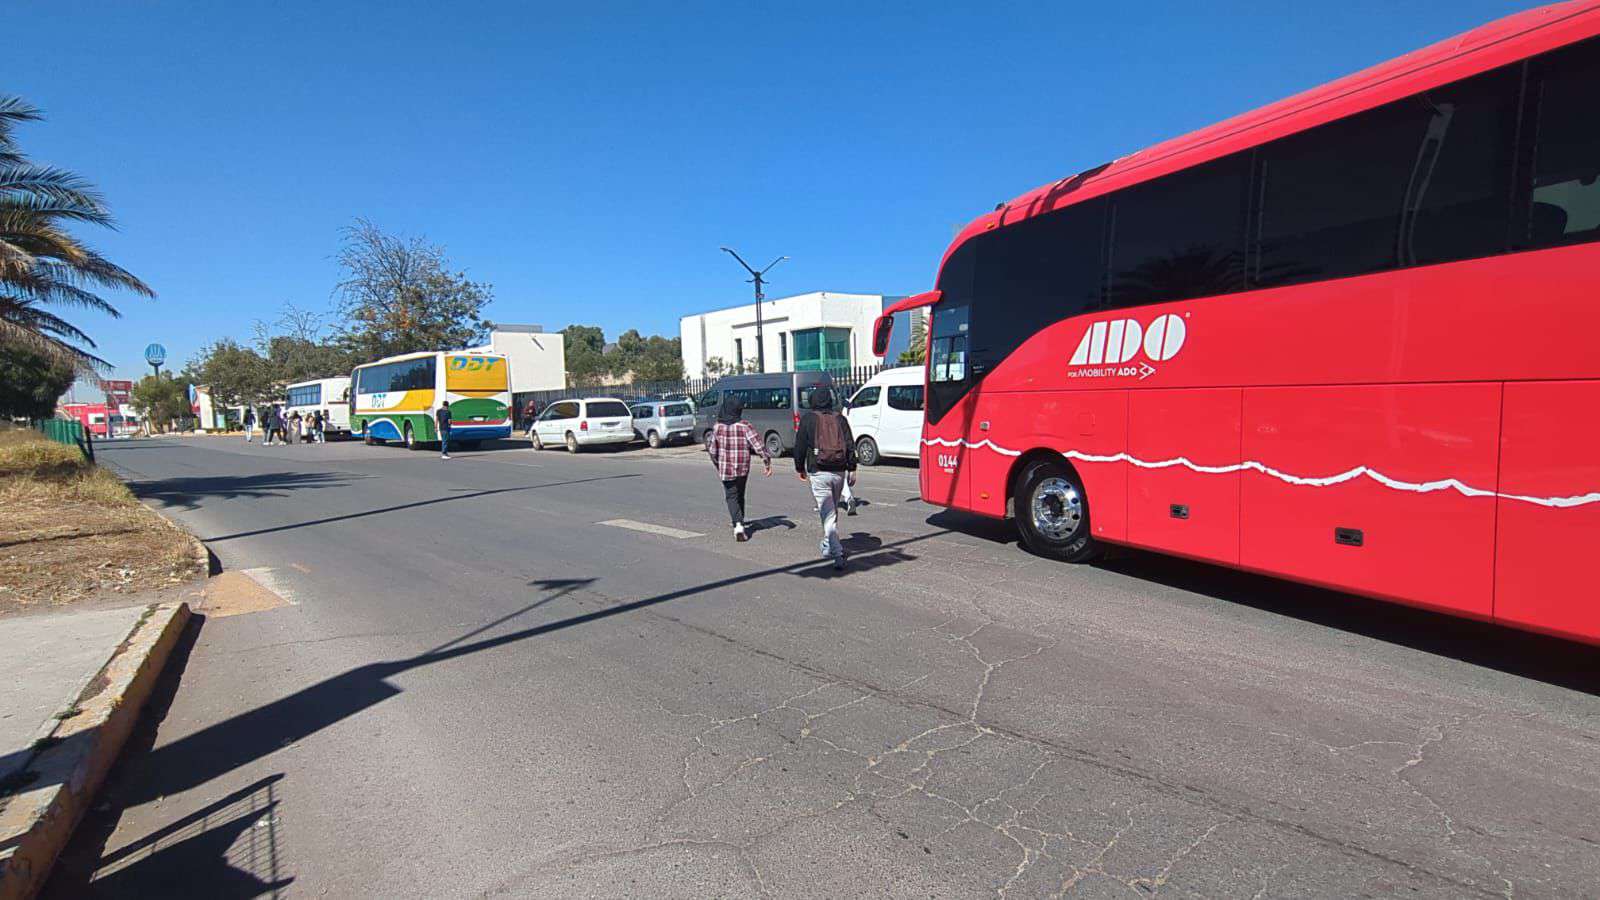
[71, 529]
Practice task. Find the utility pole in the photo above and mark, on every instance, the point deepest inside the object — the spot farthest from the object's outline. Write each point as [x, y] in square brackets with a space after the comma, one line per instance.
[758, 280]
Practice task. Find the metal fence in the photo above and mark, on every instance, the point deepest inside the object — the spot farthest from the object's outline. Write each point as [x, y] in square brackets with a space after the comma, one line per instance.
[845, 381]
[70, 432]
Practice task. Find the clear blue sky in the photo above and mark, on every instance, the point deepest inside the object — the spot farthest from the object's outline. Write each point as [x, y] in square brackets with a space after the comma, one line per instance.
[588, 161]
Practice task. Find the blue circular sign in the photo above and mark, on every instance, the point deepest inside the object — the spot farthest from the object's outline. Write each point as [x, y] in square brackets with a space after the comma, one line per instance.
[155, 354]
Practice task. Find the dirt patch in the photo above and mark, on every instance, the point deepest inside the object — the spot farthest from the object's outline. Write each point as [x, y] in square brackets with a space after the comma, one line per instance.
[71, 530]
[234, 594]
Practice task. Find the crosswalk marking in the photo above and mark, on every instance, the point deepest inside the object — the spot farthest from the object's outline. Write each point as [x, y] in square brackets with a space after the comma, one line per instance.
[630, 524]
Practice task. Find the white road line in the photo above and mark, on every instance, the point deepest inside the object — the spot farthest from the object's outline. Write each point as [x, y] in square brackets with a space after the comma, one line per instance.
[630, 524]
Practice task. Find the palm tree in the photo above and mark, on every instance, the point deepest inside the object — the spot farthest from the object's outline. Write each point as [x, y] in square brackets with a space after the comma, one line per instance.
[42, 265]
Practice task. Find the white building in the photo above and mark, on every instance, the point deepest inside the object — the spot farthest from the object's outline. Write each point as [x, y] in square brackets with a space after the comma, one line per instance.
[819, 330]
[538, 360]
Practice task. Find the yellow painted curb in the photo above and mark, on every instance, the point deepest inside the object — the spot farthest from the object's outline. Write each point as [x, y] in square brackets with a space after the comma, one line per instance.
[36, 822]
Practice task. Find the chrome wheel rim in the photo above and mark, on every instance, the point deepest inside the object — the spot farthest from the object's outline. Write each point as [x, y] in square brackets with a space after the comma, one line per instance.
[1057, 509]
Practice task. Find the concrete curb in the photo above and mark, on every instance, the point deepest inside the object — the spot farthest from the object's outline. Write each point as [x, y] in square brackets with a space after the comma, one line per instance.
[36, 822]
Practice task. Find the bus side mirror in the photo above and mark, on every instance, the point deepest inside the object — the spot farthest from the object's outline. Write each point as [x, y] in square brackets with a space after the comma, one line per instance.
[880, 335]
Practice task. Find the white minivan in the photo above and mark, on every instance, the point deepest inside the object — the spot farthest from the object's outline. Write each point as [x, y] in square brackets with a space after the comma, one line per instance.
[886, 415]
[583, 423]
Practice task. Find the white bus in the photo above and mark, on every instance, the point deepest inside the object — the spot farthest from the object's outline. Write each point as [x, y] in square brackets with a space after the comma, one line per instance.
[396, 398]
[331, 396]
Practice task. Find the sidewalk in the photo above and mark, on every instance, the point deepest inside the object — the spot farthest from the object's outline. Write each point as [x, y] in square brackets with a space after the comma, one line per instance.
[76, 682]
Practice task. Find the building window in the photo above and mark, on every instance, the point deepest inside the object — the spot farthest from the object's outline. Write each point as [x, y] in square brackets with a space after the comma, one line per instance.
[821, 349]
[783, 351]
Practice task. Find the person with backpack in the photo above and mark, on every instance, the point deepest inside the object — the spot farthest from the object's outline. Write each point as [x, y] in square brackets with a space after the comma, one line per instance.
[825, 456]
[730, 446]
[442, 419]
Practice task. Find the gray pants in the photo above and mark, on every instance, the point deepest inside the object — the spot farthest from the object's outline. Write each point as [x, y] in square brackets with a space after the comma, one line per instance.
[826, 490]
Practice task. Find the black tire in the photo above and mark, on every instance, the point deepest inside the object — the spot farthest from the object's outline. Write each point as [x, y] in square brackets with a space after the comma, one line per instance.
[1052, 512]
[654, 440]
[867, 452]
[706, 437]
[411, 440]
[538, 443]
[774, 444]
[572, 443]
[368, 439]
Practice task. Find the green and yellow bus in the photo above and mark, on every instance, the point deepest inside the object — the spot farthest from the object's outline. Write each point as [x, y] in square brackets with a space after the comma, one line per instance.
[395, 399]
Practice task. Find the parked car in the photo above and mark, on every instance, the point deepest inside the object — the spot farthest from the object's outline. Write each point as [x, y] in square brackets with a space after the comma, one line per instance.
[772, 404]
[886, 415]
[658, 422]
[583, 423]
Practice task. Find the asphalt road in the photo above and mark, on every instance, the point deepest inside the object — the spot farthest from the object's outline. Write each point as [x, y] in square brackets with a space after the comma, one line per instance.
[481, 686]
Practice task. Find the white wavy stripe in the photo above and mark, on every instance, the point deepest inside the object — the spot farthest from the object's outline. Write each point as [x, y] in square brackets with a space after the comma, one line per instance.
[1423, 487]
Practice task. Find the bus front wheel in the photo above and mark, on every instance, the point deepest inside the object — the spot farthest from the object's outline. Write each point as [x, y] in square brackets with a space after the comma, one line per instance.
[1052, 511]
[411, 439]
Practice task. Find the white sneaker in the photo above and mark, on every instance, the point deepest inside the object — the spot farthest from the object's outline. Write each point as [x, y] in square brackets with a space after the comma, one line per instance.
[739, 533]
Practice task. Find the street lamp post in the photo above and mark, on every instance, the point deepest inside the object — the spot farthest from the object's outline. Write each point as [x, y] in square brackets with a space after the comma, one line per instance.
[758, 280]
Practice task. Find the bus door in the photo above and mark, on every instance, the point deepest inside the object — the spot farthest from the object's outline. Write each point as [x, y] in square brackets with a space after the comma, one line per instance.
[951, 404]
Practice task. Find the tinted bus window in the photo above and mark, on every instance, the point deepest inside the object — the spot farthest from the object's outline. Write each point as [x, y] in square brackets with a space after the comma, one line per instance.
[1180, 236]
[1421, 180]
[1566, 152]
[1035, 273]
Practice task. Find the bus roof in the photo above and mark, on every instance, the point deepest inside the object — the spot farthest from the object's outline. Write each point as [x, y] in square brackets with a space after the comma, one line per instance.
[422, 353]
[1496, 43]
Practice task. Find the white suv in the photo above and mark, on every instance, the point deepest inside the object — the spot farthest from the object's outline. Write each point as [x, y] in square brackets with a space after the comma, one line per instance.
[886, 415]
[583, 423]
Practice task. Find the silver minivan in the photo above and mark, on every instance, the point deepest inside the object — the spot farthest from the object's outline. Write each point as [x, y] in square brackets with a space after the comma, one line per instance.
[772, 404]
[658, 422]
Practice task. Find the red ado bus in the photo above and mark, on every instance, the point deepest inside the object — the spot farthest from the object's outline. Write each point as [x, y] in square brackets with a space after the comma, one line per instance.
[1351, 338]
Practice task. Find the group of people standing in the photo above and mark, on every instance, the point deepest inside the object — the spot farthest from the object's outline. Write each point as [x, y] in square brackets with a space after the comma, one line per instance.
[824, 458]
[281, 429]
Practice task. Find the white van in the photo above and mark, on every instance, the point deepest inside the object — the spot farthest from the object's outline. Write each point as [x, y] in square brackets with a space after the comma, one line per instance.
[583, 423]
[886, 415]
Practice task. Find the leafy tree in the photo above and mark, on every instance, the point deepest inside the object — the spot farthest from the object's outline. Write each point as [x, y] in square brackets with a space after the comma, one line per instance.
[716, 367]
[42, 265]
[661, 360]
[31, 382]
[917, 353]
[647, 359]
[162, 400]
[398, 296]
[235, 375]
[587, 363]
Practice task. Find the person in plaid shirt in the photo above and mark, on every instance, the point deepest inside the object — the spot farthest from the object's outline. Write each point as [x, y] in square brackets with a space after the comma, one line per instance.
[730, 446]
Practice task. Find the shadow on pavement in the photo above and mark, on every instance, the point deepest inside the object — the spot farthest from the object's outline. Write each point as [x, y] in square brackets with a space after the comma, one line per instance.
[217, 749]
[1564, 663]
[207, 859]
[185, 493]
[231, 848]
[404, 506]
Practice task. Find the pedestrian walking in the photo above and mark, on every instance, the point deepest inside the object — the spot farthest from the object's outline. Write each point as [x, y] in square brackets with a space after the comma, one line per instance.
[269, 425]
[825, 456]
[730, 446]
[442, 418]
[319, 423]
[530, 413]
[249, 424]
